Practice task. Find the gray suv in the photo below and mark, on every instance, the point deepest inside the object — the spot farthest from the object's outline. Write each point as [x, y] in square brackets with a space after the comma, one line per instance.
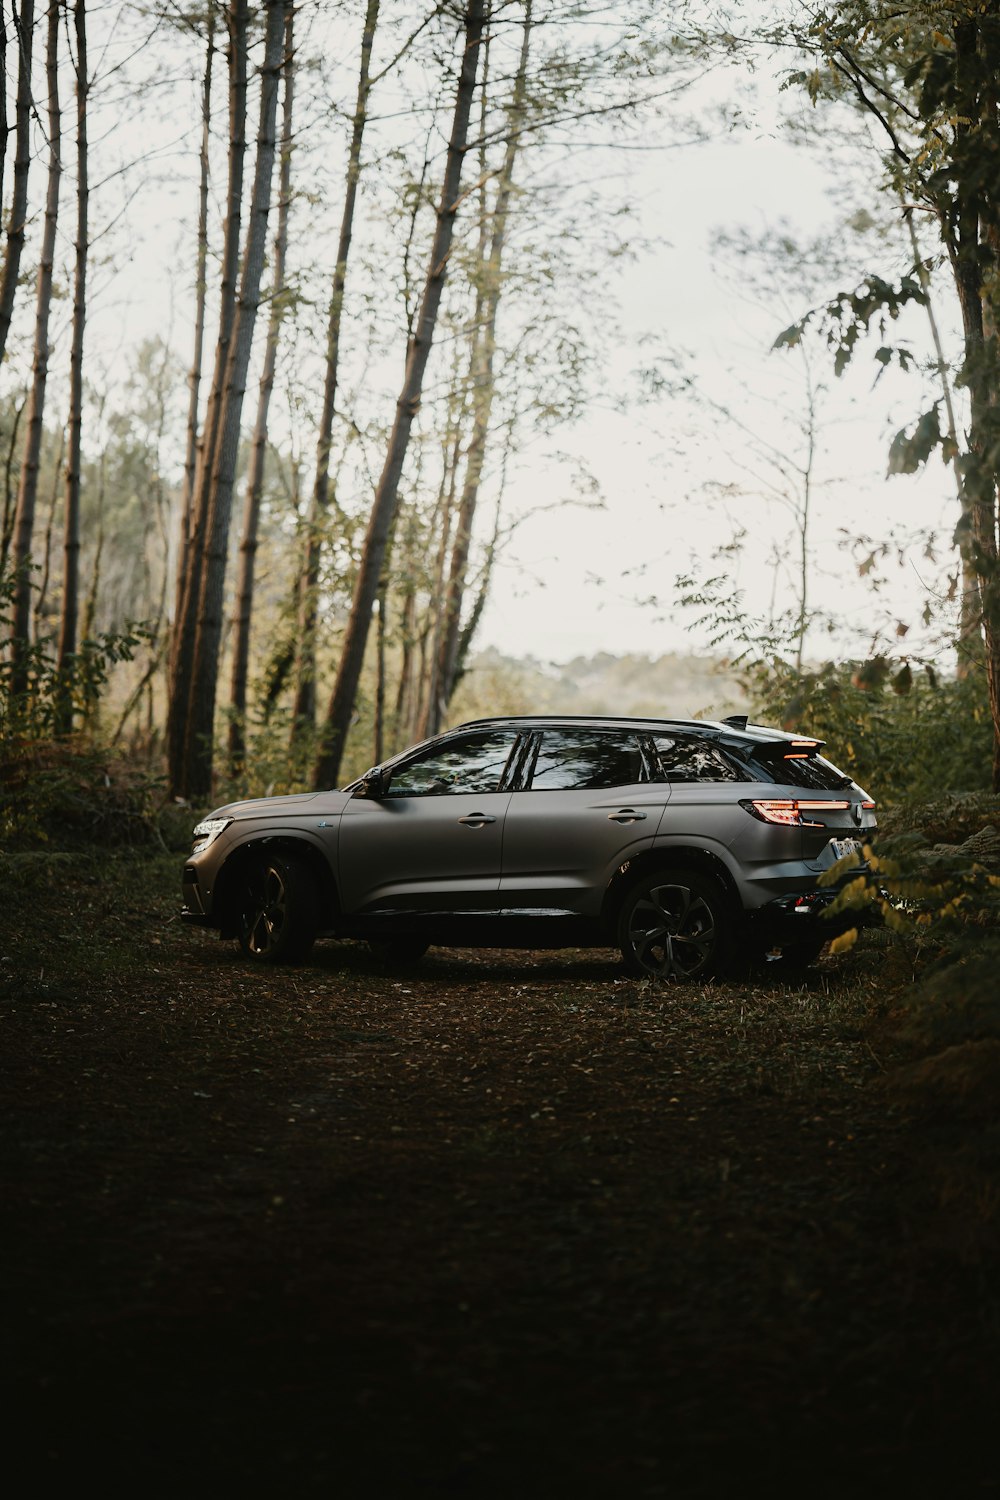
[686, 843]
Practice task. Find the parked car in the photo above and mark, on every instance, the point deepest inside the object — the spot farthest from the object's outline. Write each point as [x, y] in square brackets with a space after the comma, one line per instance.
[685, 843]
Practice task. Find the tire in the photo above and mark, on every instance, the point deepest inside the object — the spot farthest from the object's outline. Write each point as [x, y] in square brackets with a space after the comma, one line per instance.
[673, 924]
[279, 912]
[399, 952]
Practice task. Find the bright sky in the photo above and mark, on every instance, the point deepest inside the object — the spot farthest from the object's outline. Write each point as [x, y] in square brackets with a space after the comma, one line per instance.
[580, 580]
[568, 584]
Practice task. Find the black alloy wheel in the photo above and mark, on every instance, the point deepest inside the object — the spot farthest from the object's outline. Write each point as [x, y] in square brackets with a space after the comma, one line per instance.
[673, 925]
[278, 918]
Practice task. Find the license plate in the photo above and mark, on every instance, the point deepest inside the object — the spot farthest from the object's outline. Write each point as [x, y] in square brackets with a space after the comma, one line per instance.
[843, 847]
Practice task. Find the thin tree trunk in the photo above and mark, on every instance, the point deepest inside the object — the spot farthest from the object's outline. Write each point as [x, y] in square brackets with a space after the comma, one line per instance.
[190, 560]
[71, 543]
[24, 26]
[977, 531]
[255, 480]
[304, 708]
[9, 493]
[383, 513]
[378, 731]
[205, 668]
[484, 389]
[201, 294]
[969, 628]
[442, 521]
[41, 598]
[4, 121]
[28, 488]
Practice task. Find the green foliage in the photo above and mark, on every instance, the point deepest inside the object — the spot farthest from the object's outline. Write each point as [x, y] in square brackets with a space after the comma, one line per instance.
[941, 901]
[850, 315]
[59, 788]
[74, 794]
[906, 736]
[53, 695]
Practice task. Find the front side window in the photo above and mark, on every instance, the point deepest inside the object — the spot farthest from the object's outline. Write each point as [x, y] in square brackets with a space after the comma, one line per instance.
[685, 758]
[475, 763]
[577, 759]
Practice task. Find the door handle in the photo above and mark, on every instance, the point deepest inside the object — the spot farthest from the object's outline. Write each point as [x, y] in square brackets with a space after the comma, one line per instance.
[477, 820]
[626, 815]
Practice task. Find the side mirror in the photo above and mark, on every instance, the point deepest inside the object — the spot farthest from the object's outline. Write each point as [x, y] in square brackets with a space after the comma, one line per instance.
[374, 783]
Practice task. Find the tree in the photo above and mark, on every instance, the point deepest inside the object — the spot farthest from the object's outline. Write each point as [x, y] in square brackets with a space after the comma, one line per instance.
[189, 561]
[444, 668]
[258, 450]
[71, 545]
[201, 294]
[341, 706]
[218, 492]
[927, 76]
[304, 710]
[24, 29]
[28, 487]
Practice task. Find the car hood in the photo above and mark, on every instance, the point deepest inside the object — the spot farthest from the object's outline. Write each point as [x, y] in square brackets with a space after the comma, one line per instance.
[307, 804]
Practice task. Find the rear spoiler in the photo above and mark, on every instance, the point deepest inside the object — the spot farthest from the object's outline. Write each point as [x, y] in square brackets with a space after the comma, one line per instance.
[790, 747]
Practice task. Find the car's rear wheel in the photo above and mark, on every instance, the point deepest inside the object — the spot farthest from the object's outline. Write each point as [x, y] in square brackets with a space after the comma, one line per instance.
[673, 924]
[279, 913]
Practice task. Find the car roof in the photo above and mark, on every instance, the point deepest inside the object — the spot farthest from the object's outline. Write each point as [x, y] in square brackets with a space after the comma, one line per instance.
[735, 729]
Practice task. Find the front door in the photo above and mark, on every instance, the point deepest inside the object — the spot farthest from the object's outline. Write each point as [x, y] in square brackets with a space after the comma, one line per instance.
[432, 843]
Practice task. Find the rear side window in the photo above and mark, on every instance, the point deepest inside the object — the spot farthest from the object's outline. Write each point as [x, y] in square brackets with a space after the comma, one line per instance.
[785, 768]
[684, 758]
[576, 759]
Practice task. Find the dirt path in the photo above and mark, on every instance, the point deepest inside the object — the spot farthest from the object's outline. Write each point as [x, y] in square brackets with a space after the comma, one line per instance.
[507, 1223]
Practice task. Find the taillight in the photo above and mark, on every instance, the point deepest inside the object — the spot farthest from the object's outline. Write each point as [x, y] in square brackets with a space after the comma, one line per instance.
[789, 813]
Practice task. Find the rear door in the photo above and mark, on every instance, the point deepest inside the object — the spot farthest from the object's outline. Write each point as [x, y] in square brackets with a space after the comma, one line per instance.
[587, 806]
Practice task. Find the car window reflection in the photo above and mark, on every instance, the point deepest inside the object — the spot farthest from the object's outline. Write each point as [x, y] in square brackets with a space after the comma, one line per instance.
[570, 760]
[468, 765]
[683, 759]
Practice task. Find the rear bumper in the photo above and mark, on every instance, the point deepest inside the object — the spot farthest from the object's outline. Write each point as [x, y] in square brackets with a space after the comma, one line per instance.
[788, 919]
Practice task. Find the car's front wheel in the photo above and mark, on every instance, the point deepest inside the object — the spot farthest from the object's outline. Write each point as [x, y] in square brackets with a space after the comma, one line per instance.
[673, 925]
[279, 915]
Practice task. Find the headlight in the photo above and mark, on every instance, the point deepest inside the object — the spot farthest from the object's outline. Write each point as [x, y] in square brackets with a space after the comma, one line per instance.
[207, 832]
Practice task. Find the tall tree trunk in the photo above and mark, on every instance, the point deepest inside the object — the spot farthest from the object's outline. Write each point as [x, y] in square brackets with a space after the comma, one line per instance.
[190, 559]
[24, 28]
[383, 513]
[71, 543]
[201, 294]
[4, 121]
[255, 480]
[28, 489]
[442, 523]
[978, 528]
[9, 493]
[205, 667]
[483, 391]
[304, 708]
[42, 595]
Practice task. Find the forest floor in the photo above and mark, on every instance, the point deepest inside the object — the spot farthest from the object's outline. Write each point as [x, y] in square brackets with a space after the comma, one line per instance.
[505, 1224]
